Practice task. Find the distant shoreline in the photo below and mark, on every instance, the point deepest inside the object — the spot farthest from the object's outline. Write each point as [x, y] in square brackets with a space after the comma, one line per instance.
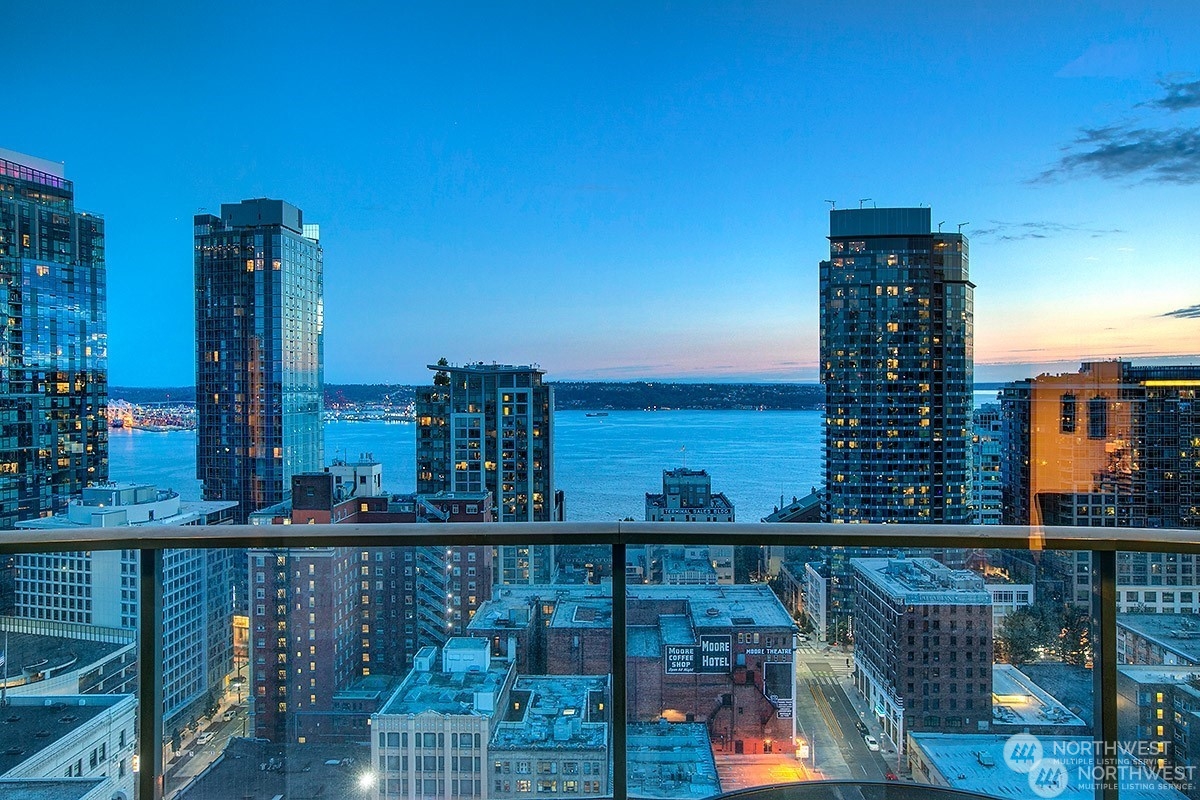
[569, 395]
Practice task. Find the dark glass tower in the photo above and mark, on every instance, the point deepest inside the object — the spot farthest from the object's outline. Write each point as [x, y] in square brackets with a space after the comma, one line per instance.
[259, 352]
[53, 342]
[897, 364]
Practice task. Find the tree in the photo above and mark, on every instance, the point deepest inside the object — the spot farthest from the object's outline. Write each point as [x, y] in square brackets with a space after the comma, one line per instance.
[441, 378]
[1019, 636]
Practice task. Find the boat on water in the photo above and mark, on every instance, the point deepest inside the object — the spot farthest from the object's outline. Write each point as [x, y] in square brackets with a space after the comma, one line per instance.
[597, 414]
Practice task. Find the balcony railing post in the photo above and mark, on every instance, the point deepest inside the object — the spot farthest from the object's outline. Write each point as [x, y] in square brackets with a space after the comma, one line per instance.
[619, 708]
[150, 675]
[1104, 670]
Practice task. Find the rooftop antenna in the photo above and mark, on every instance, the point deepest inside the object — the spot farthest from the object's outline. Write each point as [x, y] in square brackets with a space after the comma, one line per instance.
[865, 200]
[940, 224]
[832, 204]
[961, 225]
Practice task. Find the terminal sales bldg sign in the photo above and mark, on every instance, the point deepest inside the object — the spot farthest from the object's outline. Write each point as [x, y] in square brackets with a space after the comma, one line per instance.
[714, 654]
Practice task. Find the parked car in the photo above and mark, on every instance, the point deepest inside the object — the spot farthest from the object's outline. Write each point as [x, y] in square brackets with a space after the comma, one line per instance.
[228, 715]
[207, 737]
[872, 742]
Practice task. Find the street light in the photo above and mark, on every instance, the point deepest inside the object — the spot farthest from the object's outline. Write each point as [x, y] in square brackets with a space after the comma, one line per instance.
[366, 781]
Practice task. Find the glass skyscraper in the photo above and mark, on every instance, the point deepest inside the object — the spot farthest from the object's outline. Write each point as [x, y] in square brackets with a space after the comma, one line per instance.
[259, 352]
[53, 342]
[897, 314]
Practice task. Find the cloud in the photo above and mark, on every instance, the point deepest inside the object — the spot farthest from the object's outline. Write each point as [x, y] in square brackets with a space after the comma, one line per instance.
[1015, 231]
[1115, 152]
[1191, 312]
[1177, 96]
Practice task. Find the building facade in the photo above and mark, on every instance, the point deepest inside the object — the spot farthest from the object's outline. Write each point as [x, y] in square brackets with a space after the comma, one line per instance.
[1112, 445]
[259, 352]
[100, 588]
[897, 317]
[325, 619]
[54, 343]
[687, 496]
[987, 486]
[923, 646]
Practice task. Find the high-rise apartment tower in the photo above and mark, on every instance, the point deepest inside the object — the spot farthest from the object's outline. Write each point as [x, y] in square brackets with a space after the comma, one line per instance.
[53, 342]
[490, 428]
[259, 352]
[897, 365]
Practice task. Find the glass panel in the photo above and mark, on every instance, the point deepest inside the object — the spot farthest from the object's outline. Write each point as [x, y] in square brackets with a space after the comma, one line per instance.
[69, 672]
[381, 671]
[875, 664]
[1158, 677]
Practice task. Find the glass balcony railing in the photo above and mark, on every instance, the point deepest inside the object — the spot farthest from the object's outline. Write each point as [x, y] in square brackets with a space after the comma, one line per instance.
[473, 660]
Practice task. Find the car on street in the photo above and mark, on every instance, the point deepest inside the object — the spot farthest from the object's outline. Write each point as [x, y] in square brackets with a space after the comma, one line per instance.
[872, 742]
[207, 737]
[862, 727]
[228, 715]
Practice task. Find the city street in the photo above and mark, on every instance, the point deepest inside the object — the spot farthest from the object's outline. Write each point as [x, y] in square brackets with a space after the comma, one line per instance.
[827, 718]
[192, 758]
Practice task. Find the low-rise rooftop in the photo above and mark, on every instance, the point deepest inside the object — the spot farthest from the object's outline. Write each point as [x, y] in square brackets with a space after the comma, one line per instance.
[29, 725]
[575, 606]
[670, 760]
[444, 692]
[555, 712]
[723, 605]
[257, 768]
[1176, 633]
[922, 581]
[54, 788]
[975, 763]
[37, 654]
[1017, 700]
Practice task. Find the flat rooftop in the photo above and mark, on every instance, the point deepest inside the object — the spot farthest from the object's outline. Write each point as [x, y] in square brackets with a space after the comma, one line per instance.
[923, 581]
[975, 763]
[27, 726]
[50, 788]
[1158, 674]
[722, 606]
[717, 502]
[671, 760]
[304, 774]
[556, 714]
[1179, 633]
[446, 692]
[59, 653]
[189, 511]
[1017, 700]
[575, 606]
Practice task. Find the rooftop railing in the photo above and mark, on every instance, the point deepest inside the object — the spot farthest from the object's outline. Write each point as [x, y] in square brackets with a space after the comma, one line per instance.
[151, 543]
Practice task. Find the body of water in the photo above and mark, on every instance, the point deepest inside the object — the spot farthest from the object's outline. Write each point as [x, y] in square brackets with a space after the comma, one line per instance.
[604, 464]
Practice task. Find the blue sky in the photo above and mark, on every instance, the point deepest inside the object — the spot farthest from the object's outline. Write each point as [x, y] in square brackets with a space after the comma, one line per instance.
[630, 190]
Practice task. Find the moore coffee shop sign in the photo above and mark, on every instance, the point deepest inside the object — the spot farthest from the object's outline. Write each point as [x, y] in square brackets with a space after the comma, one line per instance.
[713, 654]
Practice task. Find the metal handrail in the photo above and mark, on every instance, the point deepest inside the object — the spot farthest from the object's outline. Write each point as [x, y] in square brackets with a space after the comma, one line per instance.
[1003, 537]
[152, 541]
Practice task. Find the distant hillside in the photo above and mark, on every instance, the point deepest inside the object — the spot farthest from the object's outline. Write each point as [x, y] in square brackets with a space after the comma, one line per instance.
[594, 396]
